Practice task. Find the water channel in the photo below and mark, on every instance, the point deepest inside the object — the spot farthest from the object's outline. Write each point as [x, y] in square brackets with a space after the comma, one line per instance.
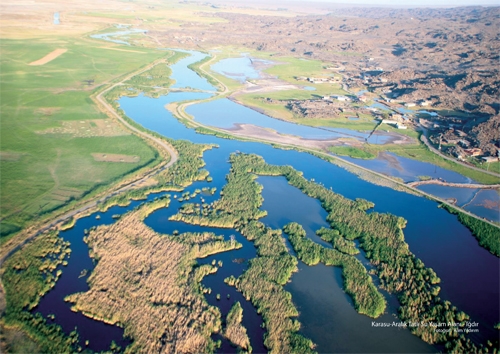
[240, 69]
[469, 273]
[484, 203]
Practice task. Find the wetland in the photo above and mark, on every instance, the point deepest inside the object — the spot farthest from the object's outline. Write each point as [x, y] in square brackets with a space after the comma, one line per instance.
[232, 281]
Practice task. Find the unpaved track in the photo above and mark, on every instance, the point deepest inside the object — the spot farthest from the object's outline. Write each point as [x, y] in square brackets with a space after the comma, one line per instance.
[17, 242]
[425, 140]
[457, 185]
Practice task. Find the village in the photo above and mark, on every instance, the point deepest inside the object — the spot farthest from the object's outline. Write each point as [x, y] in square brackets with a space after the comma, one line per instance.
[372, 94]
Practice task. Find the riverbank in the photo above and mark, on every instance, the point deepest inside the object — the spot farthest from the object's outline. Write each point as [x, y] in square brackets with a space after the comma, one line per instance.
[170, 128]
[179, 110]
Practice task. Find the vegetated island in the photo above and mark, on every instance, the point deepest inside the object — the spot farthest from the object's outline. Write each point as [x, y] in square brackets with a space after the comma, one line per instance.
[143, 277]
[380, 235]
[33, 270]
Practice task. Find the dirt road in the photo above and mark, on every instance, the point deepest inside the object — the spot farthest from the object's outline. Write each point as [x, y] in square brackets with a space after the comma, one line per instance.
[425, 140]
[17, 242]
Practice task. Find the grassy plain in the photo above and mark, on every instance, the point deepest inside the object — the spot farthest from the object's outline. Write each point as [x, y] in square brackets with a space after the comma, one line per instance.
[289, 69]
[56, 168]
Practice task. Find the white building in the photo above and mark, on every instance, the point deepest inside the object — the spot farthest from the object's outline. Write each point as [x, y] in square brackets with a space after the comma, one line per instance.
[341, 98]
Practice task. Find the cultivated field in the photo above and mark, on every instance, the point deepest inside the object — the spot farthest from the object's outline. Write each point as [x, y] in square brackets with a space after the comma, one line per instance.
[50, 127]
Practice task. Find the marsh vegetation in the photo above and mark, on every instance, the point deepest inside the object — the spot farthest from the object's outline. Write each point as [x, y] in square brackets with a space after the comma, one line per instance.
[143, 277]
[234, 330]
[27, 276]
[381, 237]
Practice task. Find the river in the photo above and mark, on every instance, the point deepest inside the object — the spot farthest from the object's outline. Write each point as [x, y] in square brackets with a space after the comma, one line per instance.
[470, 274]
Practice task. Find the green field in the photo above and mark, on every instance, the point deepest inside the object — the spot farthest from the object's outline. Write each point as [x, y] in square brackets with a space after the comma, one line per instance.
[289, 69]
[46, 157]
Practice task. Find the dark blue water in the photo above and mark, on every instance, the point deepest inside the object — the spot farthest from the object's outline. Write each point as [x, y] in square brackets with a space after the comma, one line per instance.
[318, 291]
[281, 201]
[433, 234]
[470, 274]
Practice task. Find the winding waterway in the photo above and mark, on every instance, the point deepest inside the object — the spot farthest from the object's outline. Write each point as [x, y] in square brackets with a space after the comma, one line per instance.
[469, 273]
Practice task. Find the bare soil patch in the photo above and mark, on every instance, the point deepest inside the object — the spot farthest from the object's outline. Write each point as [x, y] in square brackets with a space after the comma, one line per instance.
[123, 50]
[252, 131]
[87, 128]
[490, 204]
[393, 162]
[103, 157]
[47, 111]
[49, 57]
[266, 85]
[10, 156]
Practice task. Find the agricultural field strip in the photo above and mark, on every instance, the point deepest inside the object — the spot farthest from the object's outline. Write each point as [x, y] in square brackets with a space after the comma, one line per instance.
[15, 244]
[181, 112]
[122, 50]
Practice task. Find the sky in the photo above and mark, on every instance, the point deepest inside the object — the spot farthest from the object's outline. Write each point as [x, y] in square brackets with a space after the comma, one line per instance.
[418, 3]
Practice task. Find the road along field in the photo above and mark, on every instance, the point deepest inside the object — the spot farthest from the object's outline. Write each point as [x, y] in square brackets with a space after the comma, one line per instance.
[50, 128]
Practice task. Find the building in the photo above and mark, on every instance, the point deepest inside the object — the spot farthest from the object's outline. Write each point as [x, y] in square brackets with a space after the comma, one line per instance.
[410, 104]
[464, 143]
[394, 123]
[489, 159]
[473, 152]
[341, 98]
[453, 141]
